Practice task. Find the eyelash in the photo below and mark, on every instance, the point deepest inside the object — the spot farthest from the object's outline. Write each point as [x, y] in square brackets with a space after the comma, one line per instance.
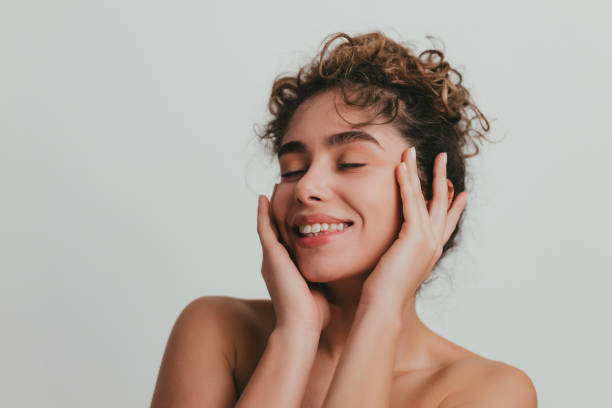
[343, 165]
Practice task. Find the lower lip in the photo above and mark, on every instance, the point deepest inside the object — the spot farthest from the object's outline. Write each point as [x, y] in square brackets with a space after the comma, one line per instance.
[309, 242]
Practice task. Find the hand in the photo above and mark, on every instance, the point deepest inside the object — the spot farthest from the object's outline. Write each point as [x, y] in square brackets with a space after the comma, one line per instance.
[296, 305]
[410, 259]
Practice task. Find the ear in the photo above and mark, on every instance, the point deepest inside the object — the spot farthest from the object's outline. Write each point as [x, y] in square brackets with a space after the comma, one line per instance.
[451, 193]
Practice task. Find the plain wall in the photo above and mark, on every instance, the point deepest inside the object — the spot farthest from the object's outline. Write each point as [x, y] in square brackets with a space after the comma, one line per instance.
[129, 174]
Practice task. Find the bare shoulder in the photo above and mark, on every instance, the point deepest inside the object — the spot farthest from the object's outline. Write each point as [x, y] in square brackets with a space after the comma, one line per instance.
[244, 325]
[480, 382]
[234, 314]
[238, 320]
[198, 365]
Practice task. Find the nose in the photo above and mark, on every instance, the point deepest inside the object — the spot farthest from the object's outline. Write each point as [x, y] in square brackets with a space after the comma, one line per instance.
[313, 186]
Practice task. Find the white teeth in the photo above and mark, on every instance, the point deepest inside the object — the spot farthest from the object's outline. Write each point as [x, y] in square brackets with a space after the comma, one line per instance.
[322, 227]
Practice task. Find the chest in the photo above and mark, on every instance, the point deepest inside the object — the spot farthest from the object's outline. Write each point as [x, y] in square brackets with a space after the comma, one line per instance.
[416, 390]
[423, 388]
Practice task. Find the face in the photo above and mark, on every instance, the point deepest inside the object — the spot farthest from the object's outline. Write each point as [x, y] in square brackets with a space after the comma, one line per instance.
[330, 176]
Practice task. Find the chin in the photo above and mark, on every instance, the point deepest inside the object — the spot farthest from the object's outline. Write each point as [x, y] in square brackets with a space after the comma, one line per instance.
[322, 273]
[314, 273]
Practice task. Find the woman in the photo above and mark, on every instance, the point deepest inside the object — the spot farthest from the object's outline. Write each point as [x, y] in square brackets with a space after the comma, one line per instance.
[370, 141]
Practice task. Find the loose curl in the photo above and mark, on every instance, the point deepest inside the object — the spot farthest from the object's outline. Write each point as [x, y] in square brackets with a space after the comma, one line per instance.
[422, 96]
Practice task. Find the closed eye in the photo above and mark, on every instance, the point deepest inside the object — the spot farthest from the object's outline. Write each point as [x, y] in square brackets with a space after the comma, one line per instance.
[351, 165]
[292, 173]
[342, 165]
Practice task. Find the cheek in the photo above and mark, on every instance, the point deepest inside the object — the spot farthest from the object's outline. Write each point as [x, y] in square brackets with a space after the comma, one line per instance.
[381, 202]
[279, 203]
[385, 215]
[280, 207]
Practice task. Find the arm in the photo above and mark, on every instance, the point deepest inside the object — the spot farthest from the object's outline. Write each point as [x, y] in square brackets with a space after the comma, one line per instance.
[196, 369]
[363, 377]
[199, 361]
[282, 373]
[364, 373]
[281, 376]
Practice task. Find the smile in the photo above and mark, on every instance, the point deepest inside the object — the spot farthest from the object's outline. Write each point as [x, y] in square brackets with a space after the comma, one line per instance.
[318, 229]
[311, 235]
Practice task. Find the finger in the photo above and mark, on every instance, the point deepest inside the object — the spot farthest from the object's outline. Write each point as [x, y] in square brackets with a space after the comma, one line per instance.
[271, 214]
[409, 204]
[265, 230]
[413, 175]
[439, 202]
[453, 214]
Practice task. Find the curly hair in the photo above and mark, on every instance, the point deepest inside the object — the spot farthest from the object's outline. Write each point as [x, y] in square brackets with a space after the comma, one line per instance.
[422, 96]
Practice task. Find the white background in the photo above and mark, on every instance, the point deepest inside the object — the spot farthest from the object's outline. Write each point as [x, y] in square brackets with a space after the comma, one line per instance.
[129, 174]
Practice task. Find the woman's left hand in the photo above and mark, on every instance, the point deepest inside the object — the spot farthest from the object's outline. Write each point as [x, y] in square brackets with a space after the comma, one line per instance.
[410, 259]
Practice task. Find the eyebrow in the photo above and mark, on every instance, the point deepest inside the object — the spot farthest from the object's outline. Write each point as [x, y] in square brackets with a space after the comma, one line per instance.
[336, 139]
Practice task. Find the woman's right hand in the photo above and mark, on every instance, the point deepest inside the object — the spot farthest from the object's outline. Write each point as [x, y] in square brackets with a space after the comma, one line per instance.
[296, 305]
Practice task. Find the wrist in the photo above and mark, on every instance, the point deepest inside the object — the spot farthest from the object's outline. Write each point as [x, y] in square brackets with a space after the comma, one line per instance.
[384, 308]
[299, 334]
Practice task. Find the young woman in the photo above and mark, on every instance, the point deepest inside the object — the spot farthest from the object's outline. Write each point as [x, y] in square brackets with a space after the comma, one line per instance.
[370, 140]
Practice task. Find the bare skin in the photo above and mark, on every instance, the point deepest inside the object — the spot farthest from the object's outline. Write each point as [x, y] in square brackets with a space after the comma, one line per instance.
[357, 340]
[244, 327]
[427, 369]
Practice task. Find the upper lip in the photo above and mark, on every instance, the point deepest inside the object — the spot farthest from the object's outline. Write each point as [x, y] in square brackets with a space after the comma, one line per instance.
[303, 219]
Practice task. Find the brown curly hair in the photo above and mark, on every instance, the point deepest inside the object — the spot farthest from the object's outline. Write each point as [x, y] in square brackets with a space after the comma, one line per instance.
[422, 96]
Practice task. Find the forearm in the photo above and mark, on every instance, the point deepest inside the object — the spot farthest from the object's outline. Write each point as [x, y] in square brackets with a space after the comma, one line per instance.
[364, 373]
[281, 376]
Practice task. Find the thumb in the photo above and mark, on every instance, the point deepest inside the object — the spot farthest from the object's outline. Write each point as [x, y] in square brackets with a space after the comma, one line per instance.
[265, 227]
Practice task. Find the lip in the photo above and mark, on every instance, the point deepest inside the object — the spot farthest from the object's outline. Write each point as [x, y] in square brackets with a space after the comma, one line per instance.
[303, 219]
[317, 218]
[309, 242]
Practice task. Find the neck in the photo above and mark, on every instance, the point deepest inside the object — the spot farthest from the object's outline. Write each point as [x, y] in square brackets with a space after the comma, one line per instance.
[343, 296]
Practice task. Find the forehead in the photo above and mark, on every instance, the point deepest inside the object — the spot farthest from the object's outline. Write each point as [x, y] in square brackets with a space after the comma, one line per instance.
[325, 114]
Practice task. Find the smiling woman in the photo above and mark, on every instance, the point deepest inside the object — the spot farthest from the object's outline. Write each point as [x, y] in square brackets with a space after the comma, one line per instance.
[370, 140]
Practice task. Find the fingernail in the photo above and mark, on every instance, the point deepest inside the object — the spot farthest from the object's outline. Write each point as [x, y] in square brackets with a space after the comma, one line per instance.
[413, 152]
[404, 166]
[444, 157]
